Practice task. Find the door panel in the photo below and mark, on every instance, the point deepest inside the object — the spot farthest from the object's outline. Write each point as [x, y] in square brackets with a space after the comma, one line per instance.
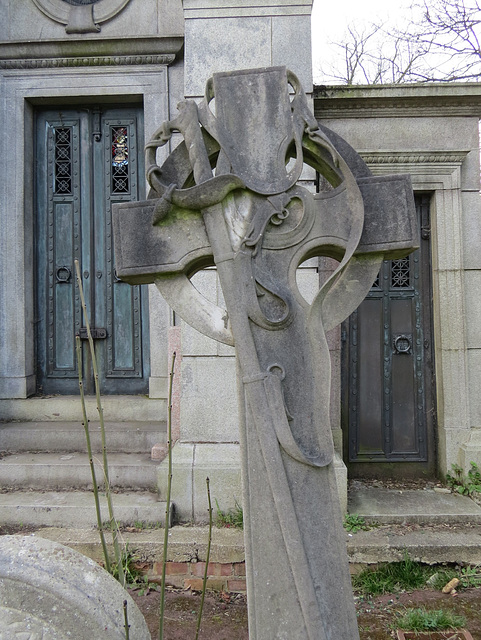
[388, 394]
[86, 160]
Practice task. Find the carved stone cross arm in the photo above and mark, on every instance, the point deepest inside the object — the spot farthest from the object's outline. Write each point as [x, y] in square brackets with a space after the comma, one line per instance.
[229, 196]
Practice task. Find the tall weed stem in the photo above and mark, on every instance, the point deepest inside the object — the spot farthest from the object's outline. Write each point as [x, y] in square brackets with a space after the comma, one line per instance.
[108, 494]
[168, 498]
[85, 424]
[207, 558]
[126, 622]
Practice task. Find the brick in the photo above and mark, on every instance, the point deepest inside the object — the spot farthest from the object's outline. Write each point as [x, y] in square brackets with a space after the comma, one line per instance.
[159, 451]
[239, 568]
[236, 586]
[213, 584]
[177, 568]
[197, 568]
[214, 569]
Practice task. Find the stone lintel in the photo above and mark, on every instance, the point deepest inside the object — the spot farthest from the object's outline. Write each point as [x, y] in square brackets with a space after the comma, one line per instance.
[90, 52]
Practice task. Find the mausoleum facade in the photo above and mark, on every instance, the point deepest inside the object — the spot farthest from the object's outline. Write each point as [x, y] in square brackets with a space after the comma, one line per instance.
[83, 88]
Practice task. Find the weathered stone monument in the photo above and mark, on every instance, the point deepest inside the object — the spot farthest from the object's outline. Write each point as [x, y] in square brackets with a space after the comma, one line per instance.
[48, 591]
[228, 196]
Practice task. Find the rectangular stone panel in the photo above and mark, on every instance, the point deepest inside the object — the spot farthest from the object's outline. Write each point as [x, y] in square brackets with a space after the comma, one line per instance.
[208, 384]
[227, 44]
[388, 213]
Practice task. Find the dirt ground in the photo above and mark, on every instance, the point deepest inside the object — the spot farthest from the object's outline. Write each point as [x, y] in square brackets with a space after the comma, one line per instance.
[225, 618]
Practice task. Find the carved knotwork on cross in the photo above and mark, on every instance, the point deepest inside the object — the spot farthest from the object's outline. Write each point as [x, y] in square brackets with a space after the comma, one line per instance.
[229, 196]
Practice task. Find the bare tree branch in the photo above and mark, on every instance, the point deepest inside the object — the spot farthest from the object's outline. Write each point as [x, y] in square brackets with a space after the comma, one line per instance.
[442, 43]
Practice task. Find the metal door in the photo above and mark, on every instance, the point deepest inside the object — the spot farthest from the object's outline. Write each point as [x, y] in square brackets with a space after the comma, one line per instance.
[388, 409]
[87, 159]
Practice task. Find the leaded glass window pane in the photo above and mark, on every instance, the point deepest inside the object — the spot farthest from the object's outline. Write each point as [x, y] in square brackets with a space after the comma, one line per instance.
[400, 273]
[63, 161]
[120, 160]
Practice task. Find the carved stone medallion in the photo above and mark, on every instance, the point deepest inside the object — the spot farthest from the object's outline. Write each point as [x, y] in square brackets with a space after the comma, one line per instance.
[81, 16]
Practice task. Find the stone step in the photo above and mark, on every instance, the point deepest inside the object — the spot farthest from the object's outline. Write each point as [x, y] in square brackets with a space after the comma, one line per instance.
[394, 506]
[68, 408]
[66, 470]
[76, 509]
[69, 436]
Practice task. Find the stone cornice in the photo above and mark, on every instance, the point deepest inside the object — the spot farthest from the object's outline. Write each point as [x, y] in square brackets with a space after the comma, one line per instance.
[420, 100]
[89, 52]
[413, 157]
[93, 61]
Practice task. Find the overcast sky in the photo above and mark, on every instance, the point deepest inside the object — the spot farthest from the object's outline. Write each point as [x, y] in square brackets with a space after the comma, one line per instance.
[331, 17]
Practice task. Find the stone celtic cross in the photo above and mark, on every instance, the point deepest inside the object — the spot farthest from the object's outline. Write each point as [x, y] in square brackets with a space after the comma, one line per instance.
[228, 196]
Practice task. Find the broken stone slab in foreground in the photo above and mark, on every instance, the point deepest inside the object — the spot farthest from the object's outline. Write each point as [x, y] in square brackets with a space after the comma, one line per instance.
[50, 591]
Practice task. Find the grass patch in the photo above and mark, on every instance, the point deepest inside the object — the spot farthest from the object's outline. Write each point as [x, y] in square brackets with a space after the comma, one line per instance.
[393, 577]
[470, 577]
[408, 575]
[422, 619]
[232, 518]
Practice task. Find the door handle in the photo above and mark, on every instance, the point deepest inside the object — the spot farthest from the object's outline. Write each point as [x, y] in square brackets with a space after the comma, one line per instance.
[403, 343]
[63, 274]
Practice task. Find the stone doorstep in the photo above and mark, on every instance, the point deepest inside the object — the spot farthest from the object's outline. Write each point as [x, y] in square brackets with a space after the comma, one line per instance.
[68, 408]
[392, 506]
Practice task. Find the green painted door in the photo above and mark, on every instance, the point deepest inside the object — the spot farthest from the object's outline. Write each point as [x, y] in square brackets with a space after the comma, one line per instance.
[388, 369]
[86, 160]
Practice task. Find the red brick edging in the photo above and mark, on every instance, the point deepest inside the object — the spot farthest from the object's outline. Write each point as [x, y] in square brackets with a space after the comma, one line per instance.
[228, 577]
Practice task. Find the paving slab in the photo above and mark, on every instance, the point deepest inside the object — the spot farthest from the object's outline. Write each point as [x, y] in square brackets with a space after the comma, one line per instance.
[427, 506]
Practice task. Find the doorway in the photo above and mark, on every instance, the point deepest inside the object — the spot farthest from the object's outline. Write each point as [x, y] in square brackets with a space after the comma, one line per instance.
[388, 401]
[87, 159]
